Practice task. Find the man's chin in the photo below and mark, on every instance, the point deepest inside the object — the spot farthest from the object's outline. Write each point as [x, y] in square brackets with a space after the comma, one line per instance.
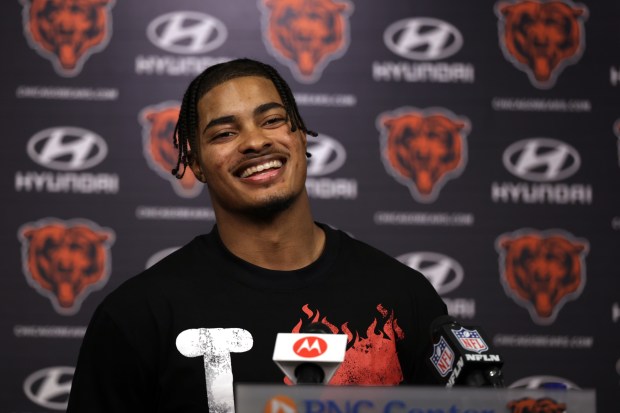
[271, 207]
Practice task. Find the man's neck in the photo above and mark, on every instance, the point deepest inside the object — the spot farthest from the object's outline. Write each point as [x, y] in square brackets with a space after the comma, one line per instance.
[289, 240]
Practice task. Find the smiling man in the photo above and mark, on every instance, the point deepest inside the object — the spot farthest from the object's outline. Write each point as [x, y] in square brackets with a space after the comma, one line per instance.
[176, 337]
[254, 165]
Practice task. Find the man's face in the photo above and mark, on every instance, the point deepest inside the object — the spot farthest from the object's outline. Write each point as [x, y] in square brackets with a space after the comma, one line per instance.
[247, 155]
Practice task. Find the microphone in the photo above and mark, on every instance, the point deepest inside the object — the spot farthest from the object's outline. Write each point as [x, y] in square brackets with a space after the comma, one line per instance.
[462, 356]
[308, 372]
[311, 356]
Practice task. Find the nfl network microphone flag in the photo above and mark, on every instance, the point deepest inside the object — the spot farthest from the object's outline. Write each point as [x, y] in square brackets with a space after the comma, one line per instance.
[461, 356]
[326, 351]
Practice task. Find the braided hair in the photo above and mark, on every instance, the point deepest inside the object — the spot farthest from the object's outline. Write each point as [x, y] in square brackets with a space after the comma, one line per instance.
[185, 137]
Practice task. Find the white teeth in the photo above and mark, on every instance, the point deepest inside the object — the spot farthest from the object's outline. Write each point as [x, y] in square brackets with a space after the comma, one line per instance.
[258, 168]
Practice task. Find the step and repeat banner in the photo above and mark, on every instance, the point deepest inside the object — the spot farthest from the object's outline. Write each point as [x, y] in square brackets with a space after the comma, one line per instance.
[477, 141]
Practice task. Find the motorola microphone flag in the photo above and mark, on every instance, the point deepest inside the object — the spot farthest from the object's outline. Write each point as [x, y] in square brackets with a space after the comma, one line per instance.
[325, 351]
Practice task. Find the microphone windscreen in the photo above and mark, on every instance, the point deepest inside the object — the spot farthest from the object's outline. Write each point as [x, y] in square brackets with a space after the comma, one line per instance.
[315, 328]
[440, 321]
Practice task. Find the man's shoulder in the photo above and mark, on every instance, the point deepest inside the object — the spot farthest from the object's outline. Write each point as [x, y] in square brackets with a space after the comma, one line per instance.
[365, 255]
[366, 251]
[372, 266]
[161, 278]
[177, 262]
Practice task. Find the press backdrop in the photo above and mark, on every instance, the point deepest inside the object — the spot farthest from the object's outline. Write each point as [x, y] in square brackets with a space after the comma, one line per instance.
[477, 141]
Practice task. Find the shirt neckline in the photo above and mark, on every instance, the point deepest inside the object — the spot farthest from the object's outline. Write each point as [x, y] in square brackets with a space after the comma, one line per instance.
[255, 276]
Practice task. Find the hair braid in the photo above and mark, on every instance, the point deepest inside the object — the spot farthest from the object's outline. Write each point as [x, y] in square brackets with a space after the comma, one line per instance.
[288, 99]
[184, 130]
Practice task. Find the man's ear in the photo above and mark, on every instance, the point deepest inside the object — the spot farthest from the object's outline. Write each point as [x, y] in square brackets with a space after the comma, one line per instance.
[192, 160]
[304, 139]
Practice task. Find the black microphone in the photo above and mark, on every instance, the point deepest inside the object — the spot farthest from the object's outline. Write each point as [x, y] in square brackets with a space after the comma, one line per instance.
[462, 356]
[308, 372]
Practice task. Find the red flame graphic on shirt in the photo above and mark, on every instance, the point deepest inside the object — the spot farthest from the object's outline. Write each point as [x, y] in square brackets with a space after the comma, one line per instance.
[371, 358]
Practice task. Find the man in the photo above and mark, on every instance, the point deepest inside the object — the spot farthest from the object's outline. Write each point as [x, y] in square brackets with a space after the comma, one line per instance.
[174, 338]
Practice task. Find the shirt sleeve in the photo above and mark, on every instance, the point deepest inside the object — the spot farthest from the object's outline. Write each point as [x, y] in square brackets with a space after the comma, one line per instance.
[110, 375]
[429, 306]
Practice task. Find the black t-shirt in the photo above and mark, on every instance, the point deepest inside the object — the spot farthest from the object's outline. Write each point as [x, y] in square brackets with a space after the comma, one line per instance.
[175, 337]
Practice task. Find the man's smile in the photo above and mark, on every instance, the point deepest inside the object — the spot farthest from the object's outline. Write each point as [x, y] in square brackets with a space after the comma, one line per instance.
[269, 165]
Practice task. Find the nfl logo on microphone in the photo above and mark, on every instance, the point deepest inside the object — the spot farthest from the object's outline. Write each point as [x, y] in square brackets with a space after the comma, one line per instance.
[442, 357]
[470, 340]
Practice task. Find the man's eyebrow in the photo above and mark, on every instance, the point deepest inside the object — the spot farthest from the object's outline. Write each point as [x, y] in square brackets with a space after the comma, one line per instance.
[267, 106]
[219, 121]
[230, 119]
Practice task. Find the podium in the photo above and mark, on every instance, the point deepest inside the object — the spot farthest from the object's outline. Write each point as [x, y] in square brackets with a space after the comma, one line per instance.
[273, 398]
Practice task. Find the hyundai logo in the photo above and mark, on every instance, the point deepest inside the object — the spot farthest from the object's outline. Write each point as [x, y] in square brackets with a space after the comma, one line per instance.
[328, 155]
[67, 148]
[541, 159]
[50, 387]
[541, 382]
[187, 32]
[444, 273]
[423, 38]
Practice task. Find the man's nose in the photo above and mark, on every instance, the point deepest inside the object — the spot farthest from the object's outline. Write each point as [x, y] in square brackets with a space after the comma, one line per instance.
[254, 140]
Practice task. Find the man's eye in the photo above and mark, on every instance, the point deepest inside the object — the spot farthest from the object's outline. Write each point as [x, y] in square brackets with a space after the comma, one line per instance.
[221, 135]
[276, 120]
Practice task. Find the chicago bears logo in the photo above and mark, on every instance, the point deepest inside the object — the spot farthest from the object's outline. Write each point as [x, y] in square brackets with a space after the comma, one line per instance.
[306, 34]
[422, 149]
[158, 124]
[544, 405]
[67, 32]
[541, 37]
[542, 270]
[66, 260]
